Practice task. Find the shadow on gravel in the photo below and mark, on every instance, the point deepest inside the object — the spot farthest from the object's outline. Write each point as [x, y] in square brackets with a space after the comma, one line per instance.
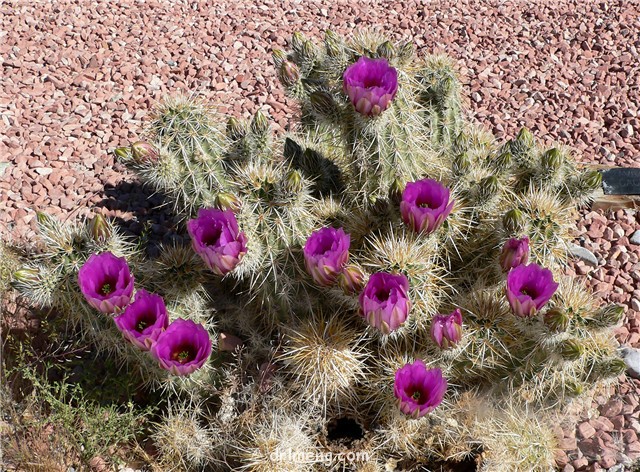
[147, 215]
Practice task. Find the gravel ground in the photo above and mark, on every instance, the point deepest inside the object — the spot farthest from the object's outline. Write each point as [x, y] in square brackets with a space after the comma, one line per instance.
[79, 77]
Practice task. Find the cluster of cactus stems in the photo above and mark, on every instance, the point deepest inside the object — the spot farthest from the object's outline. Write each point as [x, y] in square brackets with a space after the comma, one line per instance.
[303, 356]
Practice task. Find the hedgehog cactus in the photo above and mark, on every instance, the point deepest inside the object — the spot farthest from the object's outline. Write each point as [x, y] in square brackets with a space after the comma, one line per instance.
[331, 252]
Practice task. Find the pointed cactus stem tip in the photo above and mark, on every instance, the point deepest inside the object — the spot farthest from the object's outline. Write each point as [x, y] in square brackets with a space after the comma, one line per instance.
[322, 103]
[278, 57]
[259, 124]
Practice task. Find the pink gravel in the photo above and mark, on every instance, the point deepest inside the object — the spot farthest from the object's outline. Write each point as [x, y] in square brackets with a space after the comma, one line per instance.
[79, 78]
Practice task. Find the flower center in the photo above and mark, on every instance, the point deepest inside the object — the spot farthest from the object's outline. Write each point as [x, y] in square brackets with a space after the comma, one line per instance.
[144, 322]
[107, 288]
[529, 291]
[211, 236]
[183, 354]
[417, 395]
[382, 294]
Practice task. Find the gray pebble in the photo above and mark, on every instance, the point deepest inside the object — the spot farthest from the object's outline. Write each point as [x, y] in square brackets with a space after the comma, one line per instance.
[631, 357]
[635, 238]
[583, 254]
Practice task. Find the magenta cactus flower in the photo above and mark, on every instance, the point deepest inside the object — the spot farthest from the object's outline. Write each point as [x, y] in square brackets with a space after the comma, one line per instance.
[325, 254]
[529, 287]
[143, 320]
[216, 238]
[515, 252]
[425, 205]
[106, 282]
[384, 302]
[419, 390]
[371, 84]
[182, 348]
[446, 330]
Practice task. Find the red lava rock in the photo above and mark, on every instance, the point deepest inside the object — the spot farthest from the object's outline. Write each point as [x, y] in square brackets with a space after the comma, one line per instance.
[602, 424]
[579, 464]
[612, 408]
[586, 430]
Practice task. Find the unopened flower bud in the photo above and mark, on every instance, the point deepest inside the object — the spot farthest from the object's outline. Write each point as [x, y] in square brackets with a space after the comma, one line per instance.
[503, 160]
[607, 316]
[406, 51]
[513, 221]
[552, 159]
[387, 50]
[288, 73]
[557, 320]
[294, 180]
[322, 103]
[308, 50]
[259, 124]
[235, 130]
[100, 229]
[461, 164]
[351, 279]
[27, 275]
[278, 57]
[332, 43]
[446, 330]
[515, 252]
[297, 41]
[488, 187]
[592, 179]
[143, 152]
[228, 201]
[229, 342]
[525, 136]
[571, 349]
[122, 153]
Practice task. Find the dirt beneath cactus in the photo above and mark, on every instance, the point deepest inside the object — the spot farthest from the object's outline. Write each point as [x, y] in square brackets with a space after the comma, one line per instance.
[78, 79]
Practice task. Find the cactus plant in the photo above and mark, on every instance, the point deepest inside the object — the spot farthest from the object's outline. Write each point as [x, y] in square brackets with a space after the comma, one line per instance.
[332, 253]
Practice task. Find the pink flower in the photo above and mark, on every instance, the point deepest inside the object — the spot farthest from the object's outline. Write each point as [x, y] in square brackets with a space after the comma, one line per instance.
[182, 348]
[371, 85]
[515, 252]
[419, 390]
[216, 238]
[143, 320]
[446, 330]
[385, 301]
[106, 282]
[529, 288]
[325, 254]
[425, 205]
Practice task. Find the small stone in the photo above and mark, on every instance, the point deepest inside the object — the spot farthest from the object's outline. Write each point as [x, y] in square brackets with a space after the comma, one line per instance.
[44, 170]
[583, 254]
[568, 468]
[626, 131]
[635, 304]
[631, 357]
[580, 463]
[635, 238]
[602, 423]
[608, 460]
[586, 430]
